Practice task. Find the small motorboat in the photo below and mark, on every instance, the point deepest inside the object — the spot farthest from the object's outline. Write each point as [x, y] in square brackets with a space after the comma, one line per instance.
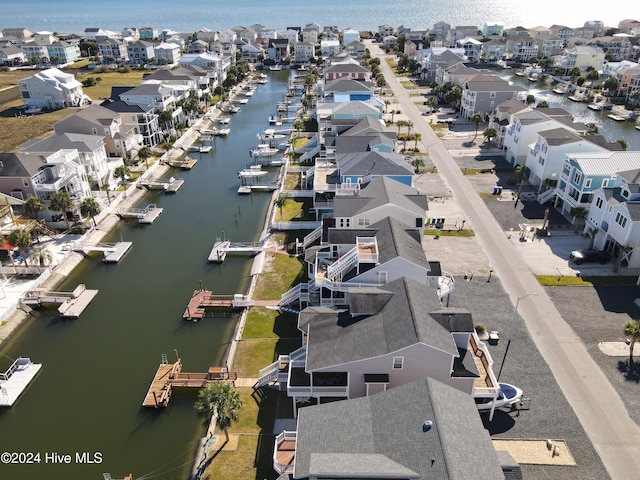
[509, 395]
[252, 171]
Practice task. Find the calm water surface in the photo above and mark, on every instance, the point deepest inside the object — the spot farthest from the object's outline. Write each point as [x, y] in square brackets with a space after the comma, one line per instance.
[97, 369]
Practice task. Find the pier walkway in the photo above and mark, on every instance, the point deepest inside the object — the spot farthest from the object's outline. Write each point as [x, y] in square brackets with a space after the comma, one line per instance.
[203, 299]
[170, 375]
[72, 304]
[146, 215]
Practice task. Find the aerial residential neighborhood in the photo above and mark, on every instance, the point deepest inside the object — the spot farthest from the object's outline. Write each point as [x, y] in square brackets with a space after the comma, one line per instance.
[421, 207]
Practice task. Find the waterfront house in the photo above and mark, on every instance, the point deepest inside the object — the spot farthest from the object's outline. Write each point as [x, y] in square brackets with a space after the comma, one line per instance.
[494, 49]
[420, 430]
[522, 48]
[460, 32]
[581, 56]
[148, 33]
[51, 89]
[142, 118]
[616, 47]
[167, 53]
[304, 52]
[549, 45]
[489, 29]
[350, 70]
[433, 58]
[217, 65]
[278, 49]
[291, 34]
[24, 175]
[359, 167]
[472, 48]
[614, 218]
[625, 72]
[329, 47]
[311, 34]
[502, 118]
[120, 140]
[350, 35]
[562, 31]
[252, 52]
[399, 332]
[35, 51]
[158, 96]
[92, 153]
[356, 50]
[347, 90]
[583, 174]
[482, 93]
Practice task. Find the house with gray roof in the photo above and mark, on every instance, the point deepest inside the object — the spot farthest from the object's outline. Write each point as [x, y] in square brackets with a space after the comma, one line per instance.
[120, 140]
[353, 71]
[421, 430]
[141, 118]
[92, 153]
[24, 175]
[52, 89]
[347, 90]
[482, 93]
[360, 167]
[386, 336]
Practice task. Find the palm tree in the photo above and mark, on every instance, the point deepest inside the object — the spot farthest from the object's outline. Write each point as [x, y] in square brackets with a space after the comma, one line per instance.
[281, 202]
[106, 188]
[431, 102]
[221, 400]
[41, 255]
[61, 202]
[632, 331]
[592, 129]
[122, 171]
[593, 233]
[417, 163]
[476, 118]
[416, 138]
[579, 214]
[90, 208]
[33, 205]
[386, 104]
[623, 143]
[531, 99]
[489, 134]
[635, 97]
[20, 239]
[144, 153]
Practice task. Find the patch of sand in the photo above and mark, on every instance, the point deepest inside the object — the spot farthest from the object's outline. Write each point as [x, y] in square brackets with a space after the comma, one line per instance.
[536, 452]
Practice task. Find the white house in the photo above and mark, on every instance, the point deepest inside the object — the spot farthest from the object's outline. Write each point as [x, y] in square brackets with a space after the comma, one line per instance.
[350, 35]
[51, 89]
[168, 53]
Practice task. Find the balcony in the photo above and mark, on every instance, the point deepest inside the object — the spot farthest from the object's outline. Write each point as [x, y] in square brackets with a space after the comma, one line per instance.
[284, 452]
[319, 384]
[486, 385]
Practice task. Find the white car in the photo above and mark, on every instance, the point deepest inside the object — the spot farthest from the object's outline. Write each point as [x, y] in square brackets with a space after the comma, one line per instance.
[508, 396]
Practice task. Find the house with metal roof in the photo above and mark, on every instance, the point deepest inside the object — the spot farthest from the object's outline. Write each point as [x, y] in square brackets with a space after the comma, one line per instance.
[421, 430]
[614, 218]
[583, 174]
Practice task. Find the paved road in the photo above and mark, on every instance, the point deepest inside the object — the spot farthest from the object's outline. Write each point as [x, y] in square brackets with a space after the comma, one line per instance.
[599, 408]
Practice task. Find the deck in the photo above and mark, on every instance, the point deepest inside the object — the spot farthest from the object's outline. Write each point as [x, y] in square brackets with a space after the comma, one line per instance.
[170, 375]
[118, 252]
[146, 215]
[174, 186]
[71, 304]
[203, 299]
[16, 379]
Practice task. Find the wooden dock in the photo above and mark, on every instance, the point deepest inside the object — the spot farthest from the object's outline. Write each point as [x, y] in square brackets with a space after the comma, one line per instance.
[170, 375]
[203, 299]
[186, 163]
[71, 304]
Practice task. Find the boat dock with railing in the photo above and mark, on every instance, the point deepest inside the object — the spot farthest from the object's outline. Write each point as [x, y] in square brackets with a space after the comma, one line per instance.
[170, 375]
[146, 215]
[71, 304]
[203, 299]
[16, 379]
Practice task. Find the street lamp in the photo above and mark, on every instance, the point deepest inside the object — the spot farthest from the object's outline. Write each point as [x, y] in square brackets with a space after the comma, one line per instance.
[513, 324]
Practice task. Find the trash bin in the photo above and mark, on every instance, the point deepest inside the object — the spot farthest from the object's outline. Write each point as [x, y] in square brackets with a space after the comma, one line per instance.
[496, 190]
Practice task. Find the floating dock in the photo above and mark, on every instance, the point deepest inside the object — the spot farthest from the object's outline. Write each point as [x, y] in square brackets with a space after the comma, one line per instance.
[170, 375]
[71, 304]
[246, 189]
[174, 186]
[146, 215]
[186, 163]
[170, 186]
[203, 299]
[219, 251]
[16, 379]
[119, 250]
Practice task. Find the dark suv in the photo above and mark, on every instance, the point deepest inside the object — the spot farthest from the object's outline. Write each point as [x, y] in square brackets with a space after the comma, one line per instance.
[589, 255]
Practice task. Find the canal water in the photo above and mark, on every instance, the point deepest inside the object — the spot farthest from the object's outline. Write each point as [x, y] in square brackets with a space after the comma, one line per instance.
[87, 399]
[612, 130]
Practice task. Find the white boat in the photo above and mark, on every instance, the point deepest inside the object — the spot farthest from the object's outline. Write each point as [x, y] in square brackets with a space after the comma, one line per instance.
[244, 101]
[560, 89]
[275, 68]
[509, 395]
[264, 150]
[594, 106]
[637, 127]
[275, 119]
[617, 118]
[252, 171]
[250, 92]
[272, 134]
[223, 120]
[578, 97]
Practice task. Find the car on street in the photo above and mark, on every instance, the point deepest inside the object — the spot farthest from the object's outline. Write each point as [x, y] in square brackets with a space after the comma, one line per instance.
[592, 255]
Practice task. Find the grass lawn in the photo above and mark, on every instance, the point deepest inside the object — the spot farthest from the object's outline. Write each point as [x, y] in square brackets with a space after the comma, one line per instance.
[291, 181]
[282, 273]
[16, 131]
[266, 323]
[253, 458]
[294, 208]
[110, 79]
[465, 232]
[575, 281]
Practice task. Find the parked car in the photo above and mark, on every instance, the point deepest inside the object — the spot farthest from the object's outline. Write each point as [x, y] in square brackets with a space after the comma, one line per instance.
[589, 255]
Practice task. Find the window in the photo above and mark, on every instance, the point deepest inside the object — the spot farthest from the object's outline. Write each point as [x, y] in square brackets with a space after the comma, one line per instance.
[599, 202]
[25, 182]
[621, 220]
[577, 178]
[364, 222]
[398, 363]
[605, 183]
[94, 131]
[625, 193]
[587, 183]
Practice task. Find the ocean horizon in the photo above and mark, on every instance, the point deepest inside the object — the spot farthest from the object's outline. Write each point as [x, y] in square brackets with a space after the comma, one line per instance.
[190, 15]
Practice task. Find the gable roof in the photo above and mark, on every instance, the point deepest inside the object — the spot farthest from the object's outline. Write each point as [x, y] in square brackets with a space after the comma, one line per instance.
[348, 85]
[375, 163]
[381, 191]
[402, 319]
[383, 436]
[60, 141]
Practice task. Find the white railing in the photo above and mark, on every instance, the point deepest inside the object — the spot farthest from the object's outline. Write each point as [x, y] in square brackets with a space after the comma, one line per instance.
[298, 355]
[364, 243]
[283, 468]
[310, 154]
[295, 225]
[343, 264]
[544, 197]
[293, 294]
[446, 285]
[268, 374]
[347, 286]
[316, 391]
[312, 237]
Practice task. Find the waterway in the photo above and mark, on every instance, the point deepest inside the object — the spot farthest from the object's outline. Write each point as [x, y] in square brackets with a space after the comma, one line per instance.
[610, 129]
[97, 369]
